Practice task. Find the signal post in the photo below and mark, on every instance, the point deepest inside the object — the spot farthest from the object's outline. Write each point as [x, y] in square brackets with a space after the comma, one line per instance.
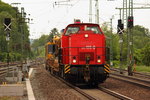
[127, 20]
[120, 30]
[130, 56]
[7, 29]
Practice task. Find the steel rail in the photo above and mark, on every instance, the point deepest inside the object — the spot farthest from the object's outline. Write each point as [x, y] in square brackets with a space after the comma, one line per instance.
[147, 81]
[135, 81]
[5, 70]
[110, 92]
[139, 73]
[115, 94]
[75, 88]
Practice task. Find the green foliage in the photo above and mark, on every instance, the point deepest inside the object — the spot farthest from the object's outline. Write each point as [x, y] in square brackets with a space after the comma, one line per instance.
[138, 56]
[146, 55]
[141, 44]
[142, 69]
[116, 63]
[18, 39]
[13, 56]
[7, 8]
[38, 44]
[3, 56]
[54, 32]
[140, 37]
[115, 47]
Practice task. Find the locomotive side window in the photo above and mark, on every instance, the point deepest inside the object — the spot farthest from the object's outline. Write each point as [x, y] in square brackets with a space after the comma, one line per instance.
[95, 29]
[72, 30]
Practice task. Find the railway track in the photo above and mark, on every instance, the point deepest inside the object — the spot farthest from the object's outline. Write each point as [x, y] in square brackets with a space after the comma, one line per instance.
[143, 80]
[99, 93]
[145, 83]
[115, 94]
[3, 71]
[91, 93]
[102, 93]
[120, 87]
[136, 74]
[96, 93]
[4, 68]
[76, 88]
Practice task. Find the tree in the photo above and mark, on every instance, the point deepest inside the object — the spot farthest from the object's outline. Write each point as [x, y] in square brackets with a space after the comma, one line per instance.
[53, 33]
[38, 44]
[6, 11]
[115, 39]
[141, 44]
[146, 55]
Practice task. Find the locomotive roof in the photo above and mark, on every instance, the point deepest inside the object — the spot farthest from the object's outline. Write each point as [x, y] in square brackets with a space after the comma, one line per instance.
[83, 24]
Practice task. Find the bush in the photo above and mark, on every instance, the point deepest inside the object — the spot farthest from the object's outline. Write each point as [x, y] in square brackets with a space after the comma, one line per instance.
[3, 57]
[16, 57]
[143, 69]
[12, 57]
[116, 63]
[146, 55]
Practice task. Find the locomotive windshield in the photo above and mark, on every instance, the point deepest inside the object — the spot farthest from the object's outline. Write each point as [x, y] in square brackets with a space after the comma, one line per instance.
[95, 29]
[72, 30]
[82, 27]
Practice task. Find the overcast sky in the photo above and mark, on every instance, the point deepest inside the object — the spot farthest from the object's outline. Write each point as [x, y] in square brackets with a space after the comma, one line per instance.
[47, 16]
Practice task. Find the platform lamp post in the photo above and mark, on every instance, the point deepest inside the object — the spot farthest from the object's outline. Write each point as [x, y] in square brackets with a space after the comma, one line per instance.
[7, 29]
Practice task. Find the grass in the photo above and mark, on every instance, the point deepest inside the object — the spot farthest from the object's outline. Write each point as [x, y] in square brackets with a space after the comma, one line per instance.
[143, 69]
[138, 68]
[9, 98]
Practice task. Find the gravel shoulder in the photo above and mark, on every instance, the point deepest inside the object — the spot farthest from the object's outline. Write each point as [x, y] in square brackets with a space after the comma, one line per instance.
[46, 87]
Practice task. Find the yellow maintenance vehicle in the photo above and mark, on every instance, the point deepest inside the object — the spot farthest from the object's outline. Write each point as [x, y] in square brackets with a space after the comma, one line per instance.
[51, 55]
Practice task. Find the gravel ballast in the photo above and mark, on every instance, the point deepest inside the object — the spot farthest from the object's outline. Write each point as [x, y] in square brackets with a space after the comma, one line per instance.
[130, 90]
[46, 87]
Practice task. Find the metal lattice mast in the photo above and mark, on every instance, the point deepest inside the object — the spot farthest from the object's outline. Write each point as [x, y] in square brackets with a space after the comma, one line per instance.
[125, 12]
[130, 58]
[124, 22]
[90, 11]
[130, 7]
[97, 12]
[22, 31]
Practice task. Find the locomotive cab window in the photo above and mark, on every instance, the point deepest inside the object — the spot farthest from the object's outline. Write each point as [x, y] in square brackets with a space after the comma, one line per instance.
[51, 49]
[72, 30]
[94, 29]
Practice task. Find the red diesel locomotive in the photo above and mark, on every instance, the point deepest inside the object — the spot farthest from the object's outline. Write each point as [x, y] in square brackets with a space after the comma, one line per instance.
[82, 54]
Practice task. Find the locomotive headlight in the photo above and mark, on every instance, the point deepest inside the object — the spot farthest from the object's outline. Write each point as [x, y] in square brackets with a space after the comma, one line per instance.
[98, 60]
[74, 61]
[86, 35]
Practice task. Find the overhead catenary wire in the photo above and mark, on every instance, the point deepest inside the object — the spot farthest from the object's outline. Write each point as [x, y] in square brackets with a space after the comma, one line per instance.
[58, 23]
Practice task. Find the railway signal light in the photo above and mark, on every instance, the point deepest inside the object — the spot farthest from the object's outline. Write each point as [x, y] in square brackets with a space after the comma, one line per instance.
[120, 27]
[7, 24]
[130, 21]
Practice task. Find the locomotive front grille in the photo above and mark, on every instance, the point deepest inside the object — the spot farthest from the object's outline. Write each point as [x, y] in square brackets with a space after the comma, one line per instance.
[83, 56]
